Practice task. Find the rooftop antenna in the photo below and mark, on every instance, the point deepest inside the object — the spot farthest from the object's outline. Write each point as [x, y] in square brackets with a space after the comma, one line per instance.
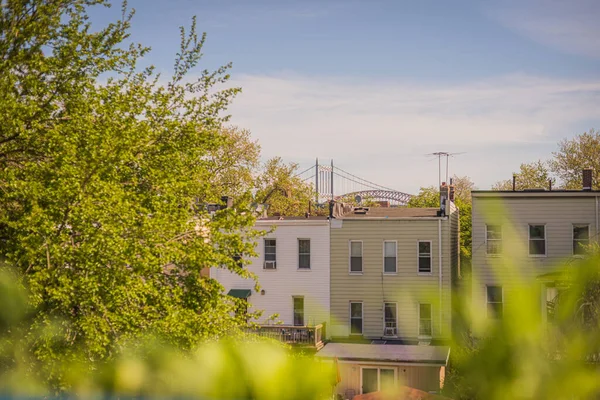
[439, 155]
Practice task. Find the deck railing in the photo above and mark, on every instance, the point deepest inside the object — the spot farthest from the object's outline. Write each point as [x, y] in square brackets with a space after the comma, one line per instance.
[309, 336]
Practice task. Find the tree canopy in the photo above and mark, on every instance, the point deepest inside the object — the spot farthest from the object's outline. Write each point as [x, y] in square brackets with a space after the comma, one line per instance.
[106, 172]
[533, 175]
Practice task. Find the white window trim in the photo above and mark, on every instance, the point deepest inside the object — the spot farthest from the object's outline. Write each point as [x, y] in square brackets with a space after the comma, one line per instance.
[396, 255]
[362, 318]
[362, 256]
[573, 238]
[264, 257]
[310, 262]
[419, 321]
[487, 309]
[500, 240]
[545, 240]
[378, 368]
[396, 307]
[430, 258]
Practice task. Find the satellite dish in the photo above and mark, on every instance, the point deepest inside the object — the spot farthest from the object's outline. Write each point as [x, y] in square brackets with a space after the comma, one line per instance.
[357, 198]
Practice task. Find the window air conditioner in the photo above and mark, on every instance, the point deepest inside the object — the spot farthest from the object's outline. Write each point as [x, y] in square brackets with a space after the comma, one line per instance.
[390, 332]
[270, 264]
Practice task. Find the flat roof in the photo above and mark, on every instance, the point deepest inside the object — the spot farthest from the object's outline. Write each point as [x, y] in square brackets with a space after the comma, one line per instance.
[398, 353]
[393, 212]
[535, 193]
[294, 218]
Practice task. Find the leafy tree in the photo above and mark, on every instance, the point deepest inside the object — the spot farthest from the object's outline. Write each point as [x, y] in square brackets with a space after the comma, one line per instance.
[285, 193]
[105, 174]
[530, 176]
[574, 155]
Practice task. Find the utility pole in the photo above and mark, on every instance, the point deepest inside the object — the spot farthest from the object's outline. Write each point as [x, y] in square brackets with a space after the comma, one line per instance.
[331, 179]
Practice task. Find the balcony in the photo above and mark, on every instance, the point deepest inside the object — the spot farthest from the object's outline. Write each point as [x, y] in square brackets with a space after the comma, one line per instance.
[300, 336]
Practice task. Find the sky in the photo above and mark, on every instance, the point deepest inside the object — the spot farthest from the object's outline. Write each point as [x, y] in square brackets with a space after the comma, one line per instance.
[378, 85]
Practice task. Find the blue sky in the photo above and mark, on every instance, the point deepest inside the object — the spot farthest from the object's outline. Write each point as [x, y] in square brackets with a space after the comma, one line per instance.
[378, 84]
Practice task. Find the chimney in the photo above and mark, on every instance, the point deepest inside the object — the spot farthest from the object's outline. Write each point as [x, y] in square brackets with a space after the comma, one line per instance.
[514, 182]
[451, 191]
[443, 198]
[587, 179]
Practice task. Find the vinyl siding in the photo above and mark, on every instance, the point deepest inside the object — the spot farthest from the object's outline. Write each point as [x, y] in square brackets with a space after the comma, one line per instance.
[515, 214]
[406, 288]
[287, 281]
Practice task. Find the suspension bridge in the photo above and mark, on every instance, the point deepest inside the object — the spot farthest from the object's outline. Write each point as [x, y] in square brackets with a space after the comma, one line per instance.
[333, 183]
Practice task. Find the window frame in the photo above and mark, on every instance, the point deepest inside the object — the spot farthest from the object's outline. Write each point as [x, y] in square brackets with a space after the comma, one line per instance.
[362, 257]
[430, 257]
[395, 321]
[395, 257]
[300, 268]
[487, 239]
[430, 320]
[529, 239]
[265, 254]
[294, 310]
[362, 318]
[573, 226]
[378, 368]
[487, 302]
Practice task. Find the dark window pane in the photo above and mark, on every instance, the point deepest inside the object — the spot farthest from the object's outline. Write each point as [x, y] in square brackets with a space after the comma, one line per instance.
[356, 249]
[390, 264]
[537, 247]
[270, 250]
[304, 261]
[494, 294]
[581, 232]
[386, 376]
[425, 264]
[356, 310]
[299, 311]
[355, 264]
[494, 247]
[356, 326]
[270, 242]
[494, 232]
[369, 380]
[424, 247]
[495, 310]
[425, 311]
[390, 311]
[425, 327]
[537, 232]
[580, 246]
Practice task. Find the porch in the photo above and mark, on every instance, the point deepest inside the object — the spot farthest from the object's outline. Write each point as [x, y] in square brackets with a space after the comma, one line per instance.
[301, 336]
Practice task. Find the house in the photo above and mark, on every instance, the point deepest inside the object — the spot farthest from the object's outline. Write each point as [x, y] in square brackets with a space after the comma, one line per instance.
[538, 231]
[367, 368]
[293, 273]
[391, 270]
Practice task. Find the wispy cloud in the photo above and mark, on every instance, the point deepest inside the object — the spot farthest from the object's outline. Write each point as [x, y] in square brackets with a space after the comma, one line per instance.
[570, 26]
[385, 127]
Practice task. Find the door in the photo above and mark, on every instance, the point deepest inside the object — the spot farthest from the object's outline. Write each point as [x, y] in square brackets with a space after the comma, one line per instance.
[387, 377]
[369, 380]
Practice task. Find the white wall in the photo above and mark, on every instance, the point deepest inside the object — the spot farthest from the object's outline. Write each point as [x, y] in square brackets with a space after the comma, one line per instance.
[287, 281]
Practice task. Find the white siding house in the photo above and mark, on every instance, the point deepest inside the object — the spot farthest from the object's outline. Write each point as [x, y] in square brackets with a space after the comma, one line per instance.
[292, 269]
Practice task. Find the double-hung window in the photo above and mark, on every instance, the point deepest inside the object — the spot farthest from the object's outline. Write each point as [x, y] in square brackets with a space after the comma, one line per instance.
[389, 257]
[495, 302]
[304, 253]
[581, 238]
[537, 240]
[424, 249]
[356, 256]
[356, 318]
[493, 239]
[270, 254]
[424, 319]
[390, 319]
[298, 311]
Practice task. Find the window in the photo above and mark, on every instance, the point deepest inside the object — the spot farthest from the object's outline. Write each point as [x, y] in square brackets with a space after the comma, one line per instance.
[493, 239]
[270, 254]
[356, 251]
[537, 240]
[581, 238]
[376, 379]
[495, 308]
[304, 253]
[424, 319]
[356, 318]
[389, 257]
[390, 321]
[424, 257]
[298, 311]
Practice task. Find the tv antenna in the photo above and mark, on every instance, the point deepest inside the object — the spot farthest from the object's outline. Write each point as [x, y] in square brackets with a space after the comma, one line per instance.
[439, 155]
